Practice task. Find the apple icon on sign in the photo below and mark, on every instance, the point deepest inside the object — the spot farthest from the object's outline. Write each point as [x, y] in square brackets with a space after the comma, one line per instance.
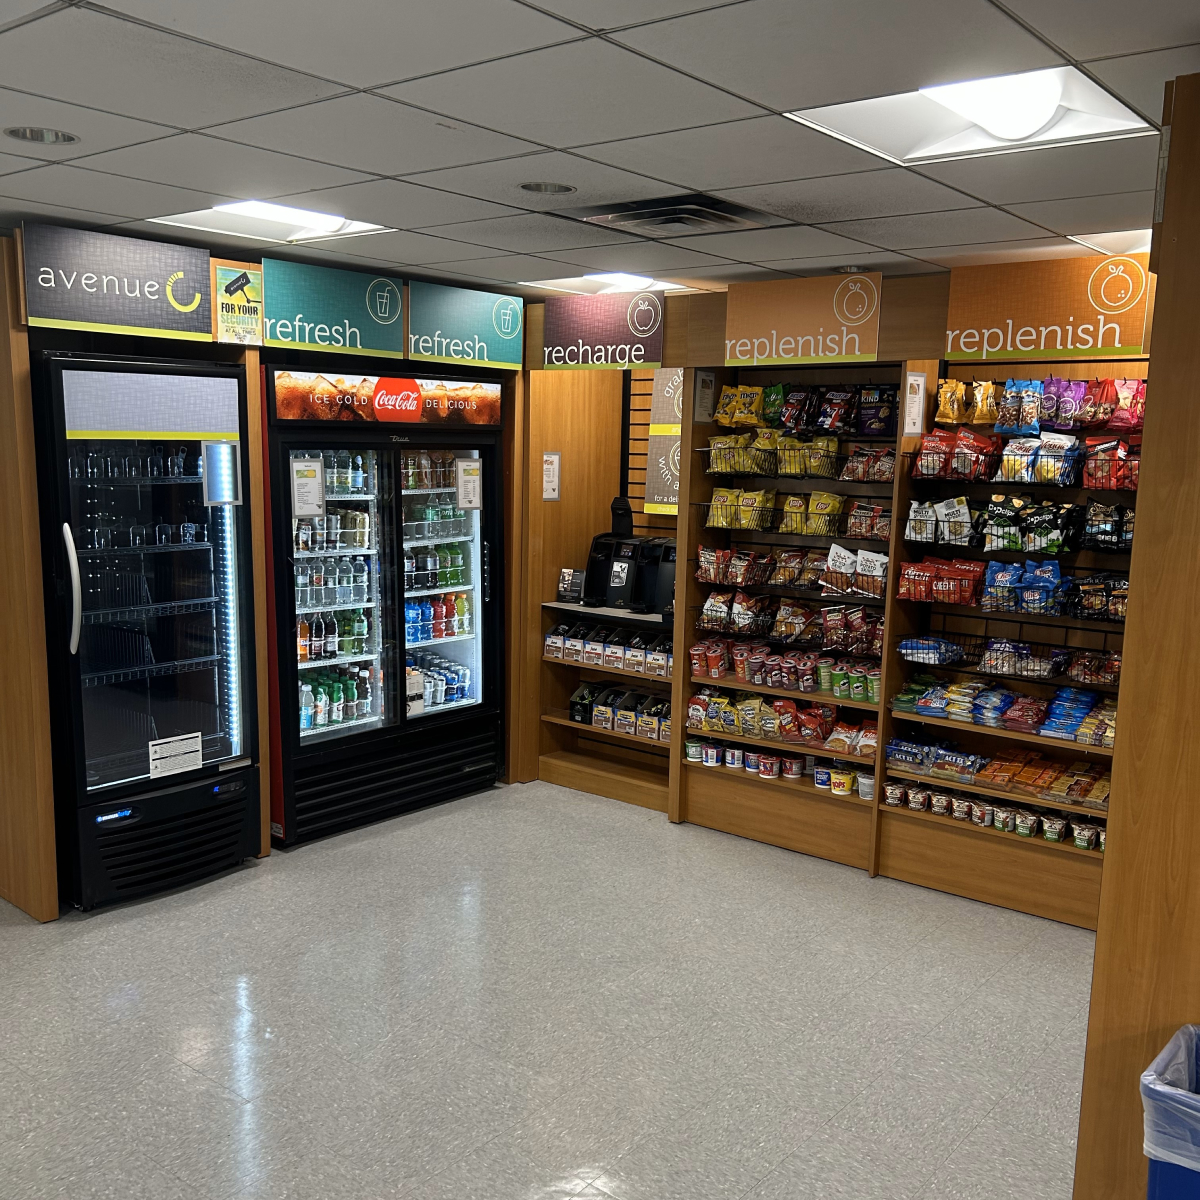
[644, 314]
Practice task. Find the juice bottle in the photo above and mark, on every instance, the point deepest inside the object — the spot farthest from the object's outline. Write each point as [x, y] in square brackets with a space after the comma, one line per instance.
[426, 621]
[443, 567]
[302, 640]
[360, 632]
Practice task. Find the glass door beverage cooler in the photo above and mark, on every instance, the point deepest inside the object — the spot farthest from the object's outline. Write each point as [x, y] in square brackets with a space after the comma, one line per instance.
[388, 630]
[149, 622]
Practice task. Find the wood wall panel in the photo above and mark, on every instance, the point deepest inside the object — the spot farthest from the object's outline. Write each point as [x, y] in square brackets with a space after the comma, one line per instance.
[694, 330]
[912, 316]
[28, 868]
[1146, 977]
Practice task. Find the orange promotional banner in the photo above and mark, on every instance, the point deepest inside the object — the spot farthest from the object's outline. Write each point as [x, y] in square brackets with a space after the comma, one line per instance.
[1060, 308]
[827, 318]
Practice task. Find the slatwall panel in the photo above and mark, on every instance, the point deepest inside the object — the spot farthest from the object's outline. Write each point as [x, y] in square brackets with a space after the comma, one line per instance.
[641, 386]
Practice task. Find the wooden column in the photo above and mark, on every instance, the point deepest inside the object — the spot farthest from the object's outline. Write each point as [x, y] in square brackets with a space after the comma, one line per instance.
[28, 868]
[1146, 980]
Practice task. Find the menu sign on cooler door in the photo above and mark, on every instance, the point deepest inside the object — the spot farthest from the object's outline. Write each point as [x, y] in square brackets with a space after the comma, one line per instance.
[662, 448]
[456, 325]
[78, 279]
[594, 332]
[314, 396]
[1088, 307]
[827, 318]
[322, 308]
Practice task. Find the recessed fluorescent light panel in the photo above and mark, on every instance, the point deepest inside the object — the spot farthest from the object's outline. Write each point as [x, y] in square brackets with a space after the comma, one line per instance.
[1129, 241]
[606, 284]
[1054, 107]
[263, 222]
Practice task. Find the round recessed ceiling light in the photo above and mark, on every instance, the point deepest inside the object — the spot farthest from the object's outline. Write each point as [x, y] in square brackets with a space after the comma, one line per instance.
[552, 189]
[41, 135]
[849, 270]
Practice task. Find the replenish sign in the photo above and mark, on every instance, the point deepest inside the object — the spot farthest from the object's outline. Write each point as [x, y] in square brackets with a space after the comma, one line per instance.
[456, 325]
[1088, 307]
[617, 330]
[826, 318]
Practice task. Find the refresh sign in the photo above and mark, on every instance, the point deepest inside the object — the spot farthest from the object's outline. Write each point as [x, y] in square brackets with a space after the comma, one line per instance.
[78, 279]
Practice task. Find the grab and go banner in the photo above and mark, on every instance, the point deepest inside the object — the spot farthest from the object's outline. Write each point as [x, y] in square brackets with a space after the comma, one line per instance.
[827, 318]
[1088, 307]
[662, 448]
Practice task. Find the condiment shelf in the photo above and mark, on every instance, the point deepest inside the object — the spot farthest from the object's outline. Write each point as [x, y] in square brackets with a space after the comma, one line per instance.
[615, 672]
[558, 716]
[989, 831]
[788, 785]
[621, 615]
[341, 660]
[741, 685]
[1011, 735]
[1010, 797]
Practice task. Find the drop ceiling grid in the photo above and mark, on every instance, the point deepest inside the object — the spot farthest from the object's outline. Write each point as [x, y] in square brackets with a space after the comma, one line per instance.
[664, 60]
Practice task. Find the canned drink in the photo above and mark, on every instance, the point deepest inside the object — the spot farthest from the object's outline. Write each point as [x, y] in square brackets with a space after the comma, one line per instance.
[821, 777]
[768, 766]
[711, 755]
[825, 674]
[750, 761]
[733, 757]
[439, 688]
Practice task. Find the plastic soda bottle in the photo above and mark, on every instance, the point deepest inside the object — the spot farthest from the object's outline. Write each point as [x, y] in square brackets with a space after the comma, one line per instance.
[307, 707]
[301, 640]
[464, 613]
[364, 693]
[316, 637]
[360, 632]
[350, 707]
[439, 617]
[426, 621]
[457, 571]
[320, 707]
[331, 637]
[443, 567]
[337, 704]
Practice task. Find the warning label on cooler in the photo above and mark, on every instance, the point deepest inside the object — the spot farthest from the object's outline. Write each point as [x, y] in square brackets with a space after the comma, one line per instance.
[173, 755]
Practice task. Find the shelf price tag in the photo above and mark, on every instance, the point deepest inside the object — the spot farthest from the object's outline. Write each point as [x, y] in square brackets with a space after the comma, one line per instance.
[468, 480]
[308, 487]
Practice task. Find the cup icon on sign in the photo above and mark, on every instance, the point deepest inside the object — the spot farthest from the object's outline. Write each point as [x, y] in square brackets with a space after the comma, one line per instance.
[506, 315]
[383, 303]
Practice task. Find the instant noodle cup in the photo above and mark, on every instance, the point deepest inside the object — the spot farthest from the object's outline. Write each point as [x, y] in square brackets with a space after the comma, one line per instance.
[768, 766]
[825, 674]
[793, 768]
[733, 757]
[821, 777]
[712, 754]
[841, 781]
[750, 761]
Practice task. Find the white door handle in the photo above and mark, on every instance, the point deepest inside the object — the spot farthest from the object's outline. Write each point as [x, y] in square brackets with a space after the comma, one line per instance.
[76, 595]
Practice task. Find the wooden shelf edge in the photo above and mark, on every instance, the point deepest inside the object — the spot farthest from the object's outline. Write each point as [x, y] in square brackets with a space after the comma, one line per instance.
[790, 785]
[998, 794]
[616, 779]
[740, 685]
[988, 831]
[558, 717]
[1011, 735]
[614, 671]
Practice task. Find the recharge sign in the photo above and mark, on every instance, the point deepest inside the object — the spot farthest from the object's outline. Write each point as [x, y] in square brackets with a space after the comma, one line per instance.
[615, 331]
[1064, 308]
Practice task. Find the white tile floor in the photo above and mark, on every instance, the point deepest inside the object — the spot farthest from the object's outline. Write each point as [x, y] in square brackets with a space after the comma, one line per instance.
[536, 993]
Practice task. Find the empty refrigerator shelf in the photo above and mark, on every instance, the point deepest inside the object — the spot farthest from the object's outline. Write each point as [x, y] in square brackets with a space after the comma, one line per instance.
[148, 671]
[84, 552]
[99, 616]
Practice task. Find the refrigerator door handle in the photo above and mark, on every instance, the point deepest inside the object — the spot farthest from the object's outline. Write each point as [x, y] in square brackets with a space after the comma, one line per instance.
[76, 593]
[487, 572]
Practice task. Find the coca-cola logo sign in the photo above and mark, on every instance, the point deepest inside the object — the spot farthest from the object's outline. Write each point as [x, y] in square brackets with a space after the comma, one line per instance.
[397, 400]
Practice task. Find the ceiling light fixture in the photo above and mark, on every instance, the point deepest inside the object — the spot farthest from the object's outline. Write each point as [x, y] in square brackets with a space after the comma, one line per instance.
[1058, 106]
[548, 189]
[260, 221]
[849, 270]
[607, 284]
[42, 136]
[1126, 241]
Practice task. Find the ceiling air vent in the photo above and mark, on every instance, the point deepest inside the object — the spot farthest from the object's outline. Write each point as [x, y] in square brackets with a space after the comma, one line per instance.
[673, 216]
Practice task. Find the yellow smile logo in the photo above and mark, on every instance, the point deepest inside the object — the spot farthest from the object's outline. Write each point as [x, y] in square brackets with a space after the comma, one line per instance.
[183, 308]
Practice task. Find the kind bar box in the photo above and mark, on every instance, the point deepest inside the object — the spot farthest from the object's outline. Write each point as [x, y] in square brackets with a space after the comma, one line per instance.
[573, 644]
[614, 648]
[554, 641]
[593, 646]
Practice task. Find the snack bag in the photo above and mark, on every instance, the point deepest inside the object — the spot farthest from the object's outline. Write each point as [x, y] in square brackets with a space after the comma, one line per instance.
[791, 456]
[789, 564]
[841, 565]
[814, 567]
[973, 455]
[1056, 459]
[982, 410]
[1018, 460]
[822, 458]
[801, 409]
[749, 407]
[1003, 523]
[1071, 397]
[755, 510]
[724, 508]
[788, 718]
[747, 612]
[749, 712]
[1017, 411]
[726, 405]
[1123, 416]
[839, 409]
[862, 519]
[933, 459]
[1052, 390]
[952, 408]
[922, 523]
[953, 521]
[823, 511]
[772, 405]
[877, 412]
[870, 576]
[715, 613]
[711, 564]
[795, 507]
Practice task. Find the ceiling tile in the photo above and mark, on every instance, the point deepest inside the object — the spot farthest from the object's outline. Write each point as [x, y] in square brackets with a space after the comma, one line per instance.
[735, 153]
[718, 277]
[14, 162]
[589, 91]
[1092, 214]
[395, 203]
[501, 181]
[639, 258]
[788, 56]
[1111, 26]
[847, 197]
[369, 133]
[938, 229]
[530, 233]
[1056, 173]
[400, 247]
[88, 57]
[995, 252]
[96, 130]
[509, 268]
[14, 10]
[613, 14]
[760, 245]
[97, 192]
[1139, 78]
[868, 260]
[13, 212]
[196, 161]
[368, 43]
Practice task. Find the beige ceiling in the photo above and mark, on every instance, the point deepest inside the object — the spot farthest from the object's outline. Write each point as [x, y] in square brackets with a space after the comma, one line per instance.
[427, 118]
